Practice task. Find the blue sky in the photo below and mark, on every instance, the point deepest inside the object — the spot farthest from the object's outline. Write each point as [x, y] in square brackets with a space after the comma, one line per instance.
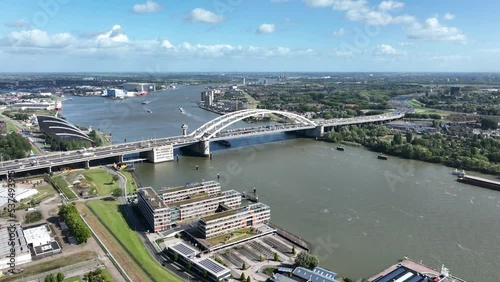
[249, 35]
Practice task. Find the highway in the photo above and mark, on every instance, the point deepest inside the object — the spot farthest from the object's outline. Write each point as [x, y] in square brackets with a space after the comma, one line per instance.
[212, 132]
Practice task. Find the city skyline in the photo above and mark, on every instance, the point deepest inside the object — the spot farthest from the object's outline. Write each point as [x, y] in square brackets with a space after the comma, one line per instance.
[239, 35]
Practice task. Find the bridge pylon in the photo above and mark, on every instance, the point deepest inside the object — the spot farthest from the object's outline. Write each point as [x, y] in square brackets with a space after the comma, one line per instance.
[200, 148]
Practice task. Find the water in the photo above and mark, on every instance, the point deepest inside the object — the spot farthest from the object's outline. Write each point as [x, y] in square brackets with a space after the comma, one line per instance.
[361, 214]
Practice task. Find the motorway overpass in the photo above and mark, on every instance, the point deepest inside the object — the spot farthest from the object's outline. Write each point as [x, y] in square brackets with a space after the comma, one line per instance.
[197, 142]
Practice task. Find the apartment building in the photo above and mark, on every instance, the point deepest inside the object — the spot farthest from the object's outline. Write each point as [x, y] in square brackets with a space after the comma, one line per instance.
[199, 206]
[234, 219]
[170, 195]
[161, 215]
[157, 214]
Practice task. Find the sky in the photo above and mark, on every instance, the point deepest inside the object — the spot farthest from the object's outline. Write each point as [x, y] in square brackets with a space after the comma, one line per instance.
[249, 35]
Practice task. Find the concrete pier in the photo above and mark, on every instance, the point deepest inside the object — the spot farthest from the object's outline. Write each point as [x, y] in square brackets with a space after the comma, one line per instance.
[201, 148]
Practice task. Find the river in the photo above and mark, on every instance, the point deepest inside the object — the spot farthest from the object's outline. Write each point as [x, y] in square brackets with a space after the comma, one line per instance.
[360, 214]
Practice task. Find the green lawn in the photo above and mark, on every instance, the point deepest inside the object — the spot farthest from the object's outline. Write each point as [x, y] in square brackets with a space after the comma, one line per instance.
[51, 265]
[44, 191]
[131, 185]
[107, 275]
[232, 237]
[252, 103]
[73, 279]
[63, 185]
[419, 108]
[110, 215]
[102, 179]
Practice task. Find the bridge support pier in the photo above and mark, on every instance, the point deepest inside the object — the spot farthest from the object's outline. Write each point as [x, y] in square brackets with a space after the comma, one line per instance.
[313, 132]
[201, 149]
[49, 169]
[161, 154]
[120, 158]
[87, 164]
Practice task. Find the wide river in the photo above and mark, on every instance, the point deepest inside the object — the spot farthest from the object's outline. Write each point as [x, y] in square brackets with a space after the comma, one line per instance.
[360, 214]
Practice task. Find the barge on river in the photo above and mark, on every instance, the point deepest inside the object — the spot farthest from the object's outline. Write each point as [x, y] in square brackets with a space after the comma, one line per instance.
[481, 182]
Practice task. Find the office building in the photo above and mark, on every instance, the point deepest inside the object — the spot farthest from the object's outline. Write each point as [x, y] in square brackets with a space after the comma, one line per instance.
[154, 210]
[234, 219]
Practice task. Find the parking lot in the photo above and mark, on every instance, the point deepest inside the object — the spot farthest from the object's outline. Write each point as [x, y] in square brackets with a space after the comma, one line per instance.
[257, 254]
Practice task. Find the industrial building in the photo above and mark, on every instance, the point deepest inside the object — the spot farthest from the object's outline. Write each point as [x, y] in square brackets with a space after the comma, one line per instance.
[408, 270]
[169, 206]
[60, 129]
[234, 219]
[41, 241]
[20, 253]
[204, 266]
[142, 88]
[115, 93]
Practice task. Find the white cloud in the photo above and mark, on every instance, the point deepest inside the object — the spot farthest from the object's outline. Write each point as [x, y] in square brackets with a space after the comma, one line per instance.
[202, 15]
[339, 32]
[448, 16]
[390, 5]
[385, 50]
[266, 28]
[18, 23]
[148, 7]
[432, 30]
[36, 38]
[165, 43]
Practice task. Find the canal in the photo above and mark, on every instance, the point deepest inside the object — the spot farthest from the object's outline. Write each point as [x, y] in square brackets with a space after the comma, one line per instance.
[359, 213]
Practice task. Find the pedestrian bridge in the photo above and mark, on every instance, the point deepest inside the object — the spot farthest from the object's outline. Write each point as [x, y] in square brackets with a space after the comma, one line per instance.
[196, 142]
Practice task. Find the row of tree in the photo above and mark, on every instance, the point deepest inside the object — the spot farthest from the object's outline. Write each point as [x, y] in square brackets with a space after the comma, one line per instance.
[69, 214]
[59, 277]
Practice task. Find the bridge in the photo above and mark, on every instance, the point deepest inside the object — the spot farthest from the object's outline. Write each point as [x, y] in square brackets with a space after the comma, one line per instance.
[197, 142]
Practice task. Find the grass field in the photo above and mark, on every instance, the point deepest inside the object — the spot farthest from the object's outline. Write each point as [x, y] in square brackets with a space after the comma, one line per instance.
[252, 103]
[419, 108]
[52, 265]
[73, 279]
[44, 191]
[110, 215]
[63, 185]
[102, 179]
[131, 185]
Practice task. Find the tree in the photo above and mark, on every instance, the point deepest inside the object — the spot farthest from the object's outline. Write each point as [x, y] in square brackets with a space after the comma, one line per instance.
[242, 277]
[276, 257]
[306, 260]
[409, 137]
[115, 178]
[243, 266]
[50, 278]
[398, 140]
[489, 123]
[249, 279]
[118, 192]
[175, 257]
[294, 252]
[60, 277]
[261, 258]
[205, 274]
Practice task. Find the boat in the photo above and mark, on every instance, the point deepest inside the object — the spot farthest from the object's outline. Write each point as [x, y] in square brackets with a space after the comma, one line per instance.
[458, 172]
[149, 111]
[382, 157]
[224, 143]
[145, 102]
[181, 110]
[340, 148]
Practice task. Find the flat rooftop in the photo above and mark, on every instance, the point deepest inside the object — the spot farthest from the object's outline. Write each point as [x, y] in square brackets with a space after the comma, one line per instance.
[39, 235]
[188, 186]
[150, 193]
[234, 211]
[408, 270]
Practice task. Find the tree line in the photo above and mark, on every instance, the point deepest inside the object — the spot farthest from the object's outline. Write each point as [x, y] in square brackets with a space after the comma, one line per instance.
[70, 216]
[14, 146]
[478, 153]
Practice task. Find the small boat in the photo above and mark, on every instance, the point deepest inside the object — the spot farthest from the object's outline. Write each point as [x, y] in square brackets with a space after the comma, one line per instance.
[340, 148]
[224, 143]
[181, 110]
[149, 111]
[459, 173]
[145, 102]
[382, 157]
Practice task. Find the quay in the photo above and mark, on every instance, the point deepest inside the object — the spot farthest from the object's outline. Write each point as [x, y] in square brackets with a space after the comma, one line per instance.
[290, 237]
[478, 181]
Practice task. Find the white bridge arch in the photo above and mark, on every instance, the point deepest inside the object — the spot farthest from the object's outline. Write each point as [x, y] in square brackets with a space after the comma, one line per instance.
[211, 128]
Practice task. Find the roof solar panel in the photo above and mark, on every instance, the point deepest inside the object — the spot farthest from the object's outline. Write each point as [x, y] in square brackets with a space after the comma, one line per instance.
[183, 249]
[416, 279]
[391, 275]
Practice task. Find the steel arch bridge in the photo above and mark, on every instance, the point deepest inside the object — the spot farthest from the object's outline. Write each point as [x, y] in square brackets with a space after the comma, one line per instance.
[211, 128]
